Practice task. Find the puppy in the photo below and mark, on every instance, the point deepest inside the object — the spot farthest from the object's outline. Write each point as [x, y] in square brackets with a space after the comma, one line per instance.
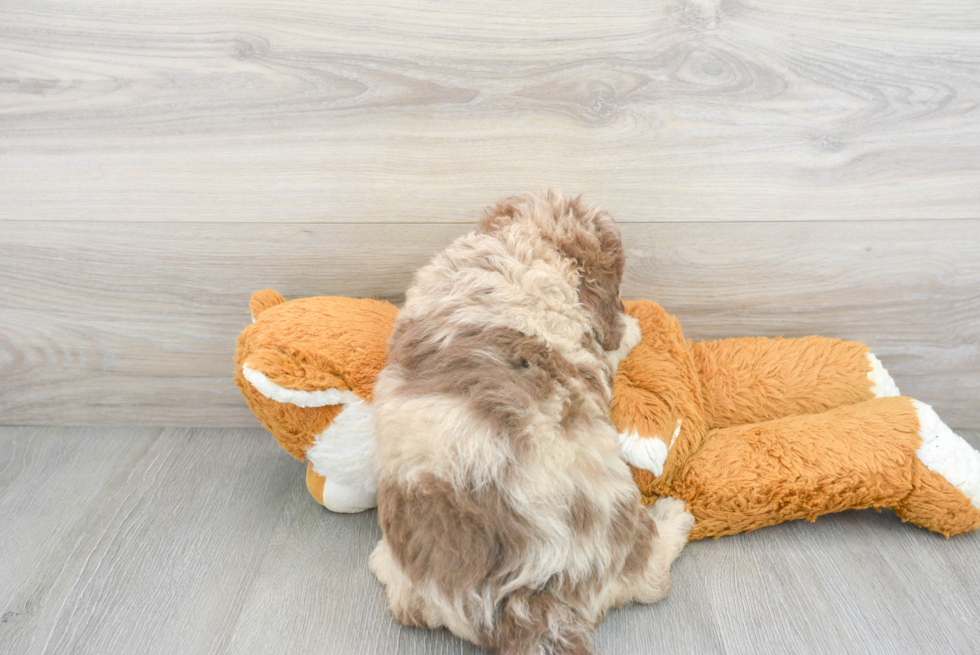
[508, 516]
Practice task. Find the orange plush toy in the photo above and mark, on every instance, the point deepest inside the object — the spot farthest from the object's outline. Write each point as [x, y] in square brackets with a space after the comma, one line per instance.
[748, 432]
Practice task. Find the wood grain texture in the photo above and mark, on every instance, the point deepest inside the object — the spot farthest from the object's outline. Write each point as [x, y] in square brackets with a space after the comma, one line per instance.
[132, 541]
[45, 511]
[706, 110]
[135, 323]
[206, 541]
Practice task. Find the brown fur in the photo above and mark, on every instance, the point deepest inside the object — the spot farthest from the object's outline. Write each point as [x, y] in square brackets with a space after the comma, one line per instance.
[507, 514]
[531, 623]
[597, 251]
[454, 539]
[500, 372]
[638, 557]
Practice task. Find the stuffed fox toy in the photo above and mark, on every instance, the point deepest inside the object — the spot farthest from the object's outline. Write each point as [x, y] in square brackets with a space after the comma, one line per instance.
[748, 432]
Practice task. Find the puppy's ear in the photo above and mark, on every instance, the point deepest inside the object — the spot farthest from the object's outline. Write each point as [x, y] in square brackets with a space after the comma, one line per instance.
[599, 252]
[601, 298]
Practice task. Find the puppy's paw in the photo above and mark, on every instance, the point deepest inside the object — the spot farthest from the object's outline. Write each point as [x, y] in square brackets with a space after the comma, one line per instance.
[666, 508]
[377, 562]
[674, 522]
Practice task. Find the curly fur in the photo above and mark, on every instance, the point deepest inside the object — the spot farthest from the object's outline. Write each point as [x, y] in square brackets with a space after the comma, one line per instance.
[508, 516]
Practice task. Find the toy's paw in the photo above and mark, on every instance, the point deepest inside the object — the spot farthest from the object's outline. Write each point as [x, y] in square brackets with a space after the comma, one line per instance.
[948, 454]
[338, 497]
[348, 500]
[674, 522]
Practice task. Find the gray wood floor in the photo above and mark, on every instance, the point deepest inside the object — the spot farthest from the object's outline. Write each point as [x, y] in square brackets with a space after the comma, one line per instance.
[161, 540]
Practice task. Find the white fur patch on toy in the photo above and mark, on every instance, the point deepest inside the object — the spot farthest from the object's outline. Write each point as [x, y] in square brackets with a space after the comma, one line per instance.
[347, 500]
[948, 454]
[273, 391]
[342, 452]
[882, 384]
[647, 453]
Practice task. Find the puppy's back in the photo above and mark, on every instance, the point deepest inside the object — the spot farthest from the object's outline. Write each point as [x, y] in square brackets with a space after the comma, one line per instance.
[499, 471]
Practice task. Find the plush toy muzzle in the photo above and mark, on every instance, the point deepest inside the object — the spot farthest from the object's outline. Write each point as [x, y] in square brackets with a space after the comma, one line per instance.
[307, 370]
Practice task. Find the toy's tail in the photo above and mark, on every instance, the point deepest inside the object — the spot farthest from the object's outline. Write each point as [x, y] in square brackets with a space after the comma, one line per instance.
[263, 300]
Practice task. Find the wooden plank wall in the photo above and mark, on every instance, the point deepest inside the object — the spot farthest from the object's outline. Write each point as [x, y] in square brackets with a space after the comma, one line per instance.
[779, 168]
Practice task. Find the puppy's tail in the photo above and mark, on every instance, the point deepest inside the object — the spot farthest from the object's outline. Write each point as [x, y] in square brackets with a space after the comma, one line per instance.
[538, 623]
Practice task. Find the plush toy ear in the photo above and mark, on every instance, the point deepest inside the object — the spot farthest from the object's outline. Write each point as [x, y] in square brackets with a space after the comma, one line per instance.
[263, 300]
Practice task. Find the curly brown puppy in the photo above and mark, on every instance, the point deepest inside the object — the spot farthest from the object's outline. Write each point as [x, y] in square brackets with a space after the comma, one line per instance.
[508, 515]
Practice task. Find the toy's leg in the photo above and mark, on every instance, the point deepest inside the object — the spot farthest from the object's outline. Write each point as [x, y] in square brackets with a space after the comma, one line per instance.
[886, 452]
[339, 471]
[752, 379]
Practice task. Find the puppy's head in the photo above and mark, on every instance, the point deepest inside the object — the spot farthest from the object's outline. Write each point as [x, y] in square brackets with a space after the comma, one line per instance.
[583, 233]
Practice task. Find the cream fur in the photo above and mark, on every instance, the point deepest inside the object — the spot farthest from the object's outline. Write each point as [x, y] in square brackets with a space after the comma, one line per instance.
[631, 339]
[882, 384]
[533, 294]
[948, 454]
[648, 453]
[674, 524]
[563, 451]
